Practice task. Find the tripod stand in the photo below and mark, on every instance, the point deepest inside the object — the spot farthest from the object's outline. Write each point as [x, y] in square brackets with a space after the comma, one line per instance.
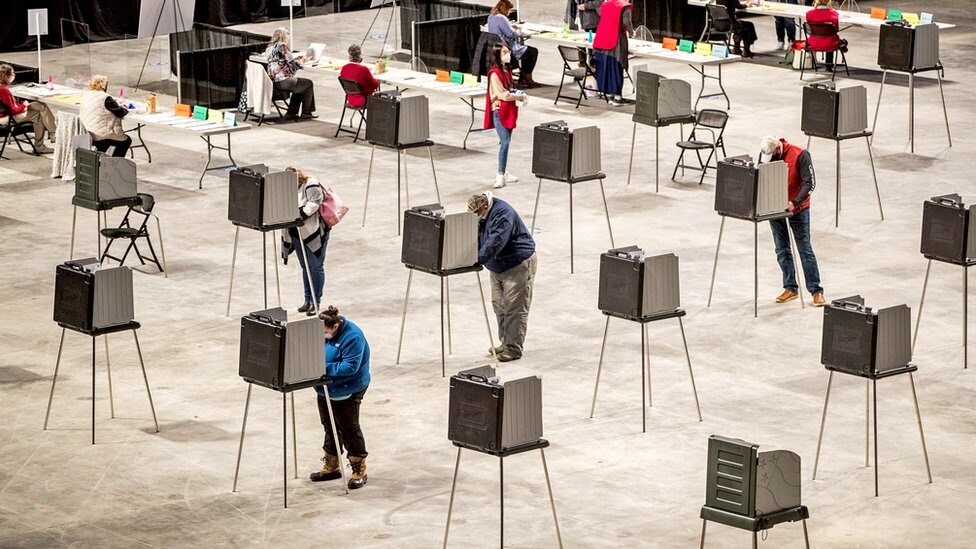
[178, 26]
[965, 308]
[394, 7]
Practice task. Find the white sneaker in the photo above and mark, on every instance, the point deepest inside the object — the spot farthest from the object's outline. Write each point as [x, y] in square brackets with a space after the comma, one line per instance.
[509, 178]
[499, 181]
[781, 46]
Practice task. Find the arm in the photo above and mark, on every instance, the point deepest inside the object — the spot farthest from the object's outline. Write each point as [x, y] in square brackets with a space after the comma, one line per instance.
[505, 28]
[591, 5]
[350, 359]
[804, 167]
[498, 234]
[498, 91]
[626, 21]
[289, 59]
[314, 197]
[371, 83]
[115, 108]
[8, 98]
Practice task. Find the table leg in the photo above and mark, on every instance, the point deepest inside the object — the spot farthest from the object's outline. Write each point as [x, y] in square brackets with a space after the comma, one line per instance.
[630, 164]
[284, 448]
[945, 112]
[643, 381]
[335, 435]
[535, 209]
[874, 387]
[874, 175]
[274, 259]
[93, 392]
[501, 502]
[837, 205]
[294, 435]
[911, 113]
[74, 222]
[571, 229]
[145, 379]
[755, 270]
[108, 369]
[443, 358]
[433, 171]
[447, 291]
[484, 308]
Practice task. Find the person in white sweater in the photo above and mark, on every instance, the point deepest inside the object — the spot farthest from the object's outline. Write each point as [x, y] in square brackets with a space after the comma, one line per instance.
[102, 116]
[314, 233]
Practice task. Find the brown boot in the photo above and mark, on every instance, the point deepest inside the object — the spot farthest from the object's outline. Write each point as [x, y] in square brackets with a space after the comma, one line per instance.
[787, 295]
[358, 479]
[330, 469]
[818, 300]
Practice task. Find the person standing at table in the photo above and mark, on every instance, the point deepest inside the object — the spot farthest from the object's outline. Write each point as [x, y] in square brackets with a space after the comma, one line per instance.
[823, 13]
[36, 113]
[744, 31]
[356, 71]
[501, 109]
[282, 69]
[785, 28]
[102, 116]
[611, 47]
[525, 57]
[313, 233]
[588, 12]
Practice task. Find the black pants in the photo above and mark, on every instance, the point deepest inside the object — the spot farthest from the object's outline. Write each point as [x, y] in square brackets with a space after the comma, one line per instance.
[746, 32]
[527, 62]
[121, 147]
[347, 422]
[302, 95]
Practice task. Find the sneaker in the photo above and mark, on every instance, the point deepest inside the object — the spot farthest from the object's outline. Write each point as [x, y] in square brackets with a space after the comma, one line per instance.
[499, 181]
[615, 102]
[781, 46]
[493, 351]
[787, 295]
[818, 300]
[43, 149]
[509, 178]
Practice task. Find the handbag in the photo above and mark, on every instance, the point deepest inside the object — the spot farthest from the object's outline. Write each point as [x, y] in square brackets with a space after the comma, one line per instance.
[332, 209]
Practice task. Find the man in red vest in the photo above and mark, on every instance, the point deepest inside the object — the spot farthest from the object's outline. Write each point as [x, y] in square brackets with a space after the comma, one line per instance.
[802, 181]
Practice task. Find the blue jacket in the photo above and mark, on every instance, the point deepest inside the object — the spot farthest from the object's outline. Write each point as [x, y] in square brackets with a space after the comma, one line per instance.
[500, 25]
[346, 361]
[503, 239]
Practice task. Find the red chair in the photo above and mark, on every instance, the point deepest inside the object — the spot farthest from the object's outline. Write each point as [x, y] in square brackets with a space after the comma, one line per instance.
[824, 30]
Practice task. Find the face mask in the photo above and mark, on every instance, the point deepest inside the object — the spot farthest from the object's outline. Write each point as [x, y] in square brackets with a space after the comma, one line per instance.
[12, 77]
[328, 336]
[506, 58]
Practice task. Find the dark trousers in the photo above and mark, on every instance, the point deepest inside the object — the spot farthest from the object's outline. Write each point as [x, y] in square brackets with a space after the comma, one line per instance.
[347, 422]
[527, 62]
[800, 223]
[121, 147]
[745, 31]
[786, 26]
[302, 95]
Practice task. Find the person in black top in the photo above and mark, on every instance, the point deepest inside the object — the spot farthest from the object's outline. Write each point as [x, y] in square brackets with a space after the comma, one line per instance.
[744, 31]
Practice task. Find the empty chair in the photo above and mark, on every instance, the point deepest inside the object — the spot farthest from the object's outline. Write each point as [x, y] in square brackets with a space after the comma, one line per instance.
[717, 24]
[133, 227]
[350, 87]
[576, 67]
[830, 48]
[707, 134]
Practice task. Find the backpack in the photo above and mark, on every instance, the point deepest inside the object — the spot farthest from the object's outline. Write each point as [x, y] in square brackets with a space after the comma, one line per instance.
[332, 209]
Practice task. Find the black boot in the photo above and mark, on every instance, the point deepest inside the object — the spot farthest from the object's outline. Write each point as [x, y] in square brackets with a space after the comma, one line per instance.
[305, 307]
[736, 50]
[747, 52]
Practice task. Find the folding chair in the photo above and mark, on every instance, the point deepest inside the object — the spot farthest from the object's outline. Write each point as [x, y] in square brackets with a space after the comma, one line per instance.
[717, 23]
[713, 122]
[128, 229]
[579, 73]
[11, 128]
[279, 98]
[351, 87]
[824, 30]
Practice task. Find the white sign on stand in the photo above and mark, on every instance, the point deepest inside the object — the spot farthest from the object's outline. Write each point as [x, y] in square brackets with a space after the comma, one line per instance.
[291, 18]
[37, 26]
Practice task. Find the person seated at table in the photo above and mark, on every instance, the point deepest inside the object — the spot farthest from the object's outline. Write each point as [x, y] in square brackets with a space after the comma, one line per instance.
[611, 48]
[282, 67]
[525, 57]
[356, 71]
[744, 32]
[588, 12]
[102, 116]
[36, 113]
[823, 13]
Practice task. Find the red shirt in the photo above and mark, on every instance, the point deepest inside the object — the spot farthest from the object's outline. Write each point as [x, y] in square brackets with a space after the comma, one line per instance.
[12, 104]
[823, 43]
[361, 75]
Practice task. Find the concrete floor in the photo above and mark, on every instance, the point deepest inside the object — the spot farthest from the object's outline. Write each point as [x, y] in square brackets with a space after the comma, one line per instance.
[758, 379]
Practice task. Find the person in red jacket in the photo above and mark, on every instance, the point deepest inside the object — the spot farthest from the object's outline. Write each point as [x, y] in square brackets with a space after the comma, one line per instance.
[802, 181]
[823, 13]
[36, 113]
[501, 110]
[355, 70]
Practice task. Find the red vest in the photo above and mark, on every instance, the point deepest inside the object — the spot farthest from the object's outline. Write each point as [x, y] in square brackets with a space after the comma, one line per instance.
[790, 154]
[507, 110]
[608, 31]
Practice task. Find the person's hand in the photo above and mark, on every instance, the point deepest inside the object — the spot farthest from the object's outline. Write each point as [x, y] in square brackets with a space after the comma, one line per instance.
[581, 7]
[791, 206]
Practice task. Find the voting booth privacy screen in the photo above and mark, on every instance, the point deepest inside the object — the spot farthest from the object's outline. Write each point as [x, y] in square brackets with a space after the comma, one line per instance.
[562, 153]
[908, 48]
[662, 101]
[749, 191]
[949, 230]
[90, 297]
[633, 286]
[103, 181]
[832, 113]
[491, 416]
[279, 353]
[864, 342]
[262, 200]
[746, 482]
[435, 242]
[393, 120]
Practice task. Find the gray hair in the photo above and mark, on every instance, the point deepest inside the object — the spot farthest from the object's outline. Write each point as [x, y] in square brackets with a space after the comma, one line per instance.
[280, 36]
[355, 53]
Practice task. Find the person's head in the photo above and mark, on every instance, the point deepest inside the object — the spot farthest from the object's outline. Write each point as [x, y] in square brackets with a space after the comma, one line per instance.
[821, 3]
[330, 321]
[6, 74]
[479, 204]
[503, 7]
[98, 82]
[355, 53]
[771, 147]
[501, 56]
[280, 36]
[302, 176]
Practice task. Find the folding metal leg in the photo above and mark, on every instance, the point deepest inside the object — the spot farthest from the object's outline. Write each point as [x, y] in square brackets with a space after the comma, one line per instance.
[718, 245]
[240, 446]
[535, 209]
[433, 170]
[837, 205]
[403, 315]
[264, 267]
[552, 500]
[406, 190]
[647, 353]
[284, 448]
[450, 503]
[874, 174]
[691, 373]
[108, 369]
[274, 258]
[643, 381]
[809, 139]
[874, 387]
[484, 308]
[571, 247]
[921, 304]
[657, 158]
[630, 164]
[162, 250]
[823, 420]
[755, 540]
[54, 380]
[911, 113]
[447, 290]
[806, 536]
[369, 178]
[606, 210]
[921, 433]
[93, 392]
[945, 112]
[877, 107]
[74, 222]
[145, 379]
[599, 367]
[294, 435]
[233, 264]
[755, 270]
[867, 423]
[701, 543]
[965, 318]
[501, 502]
[443, 357]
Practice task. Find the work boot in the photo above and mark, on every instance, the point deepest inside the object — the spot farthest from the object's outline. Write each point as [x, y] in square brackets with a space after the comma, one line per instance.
[747, 52]
[787, 295]
[43, 149]
[358, 478]
[492, 351]
[818, 300]
[330, 469]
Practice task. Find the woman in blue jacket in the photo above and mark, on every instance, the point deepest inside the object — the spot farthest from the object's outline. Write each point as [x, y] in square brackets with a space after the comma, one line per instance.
[347, 365]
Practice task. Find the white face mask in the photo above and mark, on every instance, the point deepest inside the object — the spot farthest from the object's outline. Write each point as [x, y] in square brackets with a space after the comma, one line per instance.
[506, 58]
[12, 77]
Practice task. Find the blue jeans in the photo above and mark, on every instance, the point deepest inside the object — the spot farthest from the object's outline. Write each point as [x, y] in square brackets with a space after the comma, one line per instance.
[504, 140]
[609, 74]
[785, 26]
[800, 223]
[317, 263]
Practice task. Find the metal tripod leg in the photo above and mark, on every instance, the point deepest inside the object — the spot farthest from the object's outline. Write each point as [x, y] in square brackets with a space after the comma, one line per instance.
[284, 448]
[552, 500]
[715, 263]
[335, 435]
[837, 205]
[921, 433]
[877, 108]
[691, 373]
[647, 352]
[965, 318]
[599, 367]
[233, 263]
[403, 315]
[264, 266]
[921, 304]
[755, 540]
[643, 381]
[240, 446]
[406, 191]
[74, 222]
[294, 435]
[755, 270]
[450, 503]
[701, 543]
[535, 209]
[806, 536]
[447, 291]
[369, 178]
[501, 502]
[93, 392]
[911, 113]
[274, 258]
[657, 158]
[874, 387]
[145, 379]
[606, 210]
[108, 369]
[945, 112]
[443, 356]
[54, 380]
[874, 174]
[867, 423]
[823, 419]
[571, 231]
[484, 308]
[630, 165]
[433, 170]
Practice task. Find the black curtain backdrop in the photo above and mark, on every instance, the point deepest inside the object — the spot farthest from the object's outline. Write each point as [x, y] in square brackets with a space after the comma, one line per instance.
[212, 63]
[234, 12]
[433, 10]
[669, 18]
[449, 44]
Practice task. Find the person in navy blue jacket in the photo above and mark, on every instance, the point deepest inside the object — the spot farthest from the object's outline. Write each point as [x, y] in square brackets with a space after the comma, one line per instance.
[347, 365]
[507, 250]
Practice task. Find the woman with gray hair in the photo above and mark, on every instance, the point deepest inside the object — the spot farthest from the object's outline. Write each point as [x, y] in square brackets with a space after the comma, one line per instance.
[354, 70]
[282, 69]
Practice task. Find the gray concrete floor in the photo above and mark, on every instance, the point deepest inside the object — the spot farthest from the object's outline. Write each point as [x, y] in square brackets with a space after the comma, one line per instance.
[759, 379]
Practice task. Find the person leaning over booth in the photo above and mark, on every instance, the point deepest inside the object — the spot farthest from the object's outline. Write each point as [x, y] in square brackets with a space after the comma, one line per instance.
[507, 250]
[501, 110]
[313, 233]
[102, 116]
[525, 56]
[823, 13]
[354, 70]
[36, 113]
[611, 48]
[802, 182]
[347, 365]
[282, 69]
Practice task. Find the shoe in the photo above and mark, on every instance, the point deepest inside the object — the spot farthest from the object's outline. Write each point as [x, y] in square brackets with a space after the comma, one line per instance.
[43, 149]
[358, 478]
[614, 102]
[311, 312]
[787, 295]
[506, 356]
[781, 46]
[330, 469]
[308, 116]
[818, 300]
[305, 307]
[736, 50]
[747, 53]
[493, 351]
[499, 181]
[509, 178]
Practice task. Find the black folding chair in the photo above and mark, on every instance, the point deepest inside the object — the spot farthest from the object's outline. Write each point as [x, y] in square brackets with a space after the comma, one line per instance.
[824, 30]
[717, 23]
[11, 128]
[576, 67]
[279, 98]
[351, 87]
[713, 122]
[134, 229]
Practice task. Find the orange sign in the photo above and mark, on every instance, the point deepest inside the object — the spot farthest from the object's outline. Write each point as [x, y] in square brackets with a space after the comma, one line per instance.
[670, 43]
[443, 76]
[878, 13]
[182, 110]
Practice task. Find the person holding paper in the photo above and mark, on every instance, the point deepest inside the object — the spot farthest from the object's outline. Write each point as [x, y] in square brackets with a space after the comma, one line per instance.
[501, 110]
[36, 113]
[356, 71]
[102, 116]
[282, 69]
[313, 233]
[744, 31]
[524, 56]
[824, 14]
[612, 47]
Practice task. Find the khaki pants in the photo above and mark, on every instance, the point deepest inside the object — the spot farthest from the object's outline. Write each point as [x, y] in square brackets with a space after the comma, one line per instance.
[511, 296]
[41, 116]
